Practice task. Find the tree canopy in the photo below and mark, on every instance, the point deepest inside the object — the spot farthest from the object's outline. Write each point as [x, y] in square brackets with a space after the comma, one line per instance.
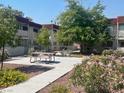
[83, 26]
[8, 28]
[43, 37]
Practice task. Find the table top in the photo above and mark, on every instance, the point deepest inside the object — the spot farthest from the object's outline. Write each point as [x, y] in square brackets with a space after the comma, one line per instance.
[45, 53]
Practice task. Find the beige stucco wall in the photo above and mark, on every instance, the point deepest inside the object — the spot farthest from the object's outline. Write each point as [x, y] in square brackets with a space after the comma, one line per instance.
[16, 51]
[121, 35]
[30, 35]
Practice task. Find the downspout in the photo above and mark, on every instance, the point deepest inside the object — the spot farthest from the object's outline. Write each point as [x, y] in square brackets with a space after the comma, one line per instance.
[52, 37]
[29, 39]
[117, 33]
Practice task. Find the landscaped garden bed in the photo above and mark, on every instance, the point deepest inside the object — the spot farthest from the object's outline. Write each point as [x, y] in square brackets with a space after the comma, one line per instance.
[97, 74]
[16, 73]
[64, 81]
[30, 70]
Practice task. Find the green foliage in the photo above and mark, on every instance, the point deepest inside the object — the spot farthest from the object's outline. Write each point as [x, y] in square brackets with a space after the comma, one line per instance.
[118, 53]
[5, 55]
[100, 74]
[8, 26]
[60, 89]
[121, 69]
[15, 12]
[80, 25]
[8, 29]
[43, 37]
[59, 36]
[11, 77]
[73, 22]
[107, 52]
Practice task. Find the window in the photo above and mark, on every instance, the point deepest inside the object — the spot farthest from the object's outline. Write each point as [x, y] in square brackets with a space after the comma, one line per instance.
[121, 27]
[24, 42]
[109, 44]
[19, 26]
[121, 44]
[25, 28]
[35, 30]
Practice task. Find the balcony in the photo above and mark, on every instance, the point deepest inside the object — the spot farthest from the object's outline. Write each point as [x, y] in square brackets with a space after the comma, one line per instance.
[121, 35]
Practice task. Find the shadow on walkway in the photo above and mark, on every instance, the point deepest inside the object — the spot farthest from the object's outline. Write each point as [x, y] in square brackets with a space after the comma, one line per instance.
[49, 62]
[33, 68]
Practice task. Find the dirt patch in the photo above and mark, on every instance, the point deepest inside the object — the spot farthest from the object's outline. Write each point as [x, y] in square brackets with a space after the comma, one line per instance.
[64, 80]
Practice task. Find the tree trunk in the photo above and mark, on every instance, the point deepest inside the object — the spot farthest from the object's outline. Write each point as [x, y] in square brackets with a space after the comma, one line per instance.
[2, 57]
[81, 48]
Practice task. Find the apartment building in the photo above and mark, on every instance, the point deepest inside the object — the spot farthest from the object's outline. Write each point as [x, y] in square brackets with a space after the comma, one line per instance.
[117, 32]
[27, 32]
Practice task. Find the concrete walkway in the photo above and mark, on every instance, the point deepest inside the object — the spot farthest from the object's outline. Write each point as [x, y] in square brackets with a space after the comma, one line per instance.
[64, 65]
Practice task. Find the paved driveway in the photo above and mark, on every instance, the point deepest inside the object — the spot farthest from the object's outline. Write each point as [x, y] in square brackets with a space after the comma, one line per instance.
[61, 67]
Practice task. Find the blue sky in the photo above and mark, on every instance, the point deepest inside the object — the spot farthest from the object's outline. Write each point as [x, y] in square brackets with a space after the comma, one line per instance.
[43, 11]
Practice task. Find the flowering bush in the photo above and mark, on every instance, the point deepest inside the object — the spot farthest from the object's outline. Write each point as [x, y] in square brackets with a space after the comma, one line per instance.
[107, 52]
[116, 53]
[100, 74]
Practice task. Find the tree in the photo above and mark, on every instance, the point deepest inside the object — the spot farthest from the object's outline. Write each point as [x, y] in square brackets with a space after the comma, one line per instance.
[100, 25]
[83, 26]
[60, 38]
[16, 12]
[8, 29]
[43, 37]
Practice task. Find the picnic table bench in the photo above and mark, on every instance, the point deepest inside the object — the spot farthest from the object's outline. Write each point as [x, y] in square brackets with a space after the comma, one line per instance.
[42, 55]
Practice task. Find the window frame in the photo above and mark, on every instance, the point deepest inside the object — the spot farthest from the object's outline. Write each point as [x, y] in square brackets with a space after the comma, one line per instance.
[121, 28]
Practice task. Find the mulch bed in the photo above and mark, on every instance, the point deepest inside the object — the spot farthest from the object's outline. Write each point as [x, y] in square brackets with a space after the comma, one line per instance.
[30, 70]
[64, 80]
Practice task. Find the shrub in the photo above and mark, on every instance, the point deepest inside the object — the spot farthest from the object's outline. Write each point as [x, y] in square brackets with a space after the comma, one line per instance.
[107, 52]
[99, 75]
[116, 53]
[60, 89]
[11, 77]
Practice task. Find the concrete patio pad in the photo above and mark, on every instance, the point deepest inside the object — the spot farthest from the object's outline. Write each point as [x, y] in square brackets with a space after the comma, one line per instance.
[64, 65]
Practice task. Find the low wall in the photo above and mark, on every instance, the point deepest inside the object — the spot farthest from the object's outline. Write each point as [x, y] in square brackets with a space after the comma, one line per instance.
[16, 51]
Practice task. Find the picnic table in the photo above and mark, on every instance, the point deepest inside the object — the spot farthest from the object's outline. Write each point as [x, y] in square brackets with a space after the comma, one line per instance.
[48, 56]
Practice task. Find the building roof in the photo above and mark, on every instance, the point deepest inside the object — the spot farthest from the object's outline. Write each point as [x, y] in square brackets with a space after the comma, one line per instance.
[113, 21]
[27, 21]
[119, 19]
[50, 26]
